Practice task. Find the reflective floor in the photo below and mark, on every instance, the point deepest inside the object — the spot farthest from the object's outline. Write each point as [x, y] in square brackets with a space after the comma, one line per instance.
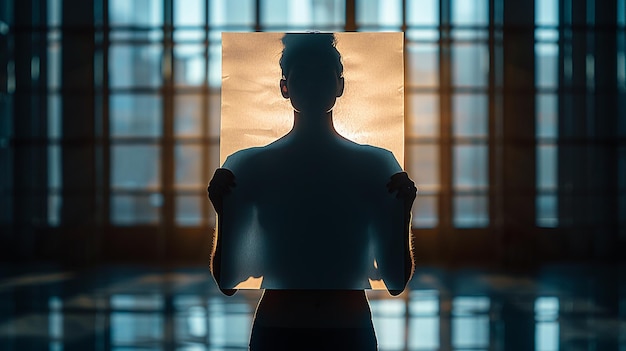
[567, 307]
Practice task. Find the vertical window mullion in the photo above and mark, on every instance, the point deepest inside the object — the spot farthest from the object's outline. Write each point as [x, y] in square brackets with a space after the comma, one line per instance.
[205, 108]
[106, 125]
[445, 106]
[492, 145]
[167, 139]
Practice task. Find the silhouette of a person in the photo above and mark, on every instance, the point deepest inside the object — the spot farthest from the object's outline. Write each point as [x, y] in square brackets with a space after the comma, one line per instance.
[318, 213]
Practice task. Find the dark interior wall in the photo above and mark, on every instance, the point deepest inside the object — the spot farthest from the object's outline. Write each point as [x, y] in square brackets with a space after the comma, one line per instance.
[6, 105]
[591, 147]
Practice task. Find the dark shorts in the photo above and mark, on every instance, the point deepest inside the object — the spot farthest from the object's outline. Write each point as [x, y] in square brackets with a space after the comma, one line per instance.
[319, 339]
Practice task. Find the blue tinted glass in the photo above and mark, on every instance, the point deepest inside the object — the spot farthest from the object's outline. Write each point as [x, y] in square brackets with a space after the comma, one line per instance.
[546, 206]
[189, 65]
[547, 12]
[470, 114]
[189, 12]
[135, 115]
[188, 115]
[54, 65]
[135, 167]
[215, 64]
[188, 166]
[470, 12]
[135, 209]
[422, 64]
[54, 9]
[303, 13]
[470, 166]
[424, 115]
[470, 65]
[547, 34]
[54, 166]
[547, 114]
[54, 116]
[547, 166]
[424, 165]
[422, 12]
[471, 211]
[379, 12]
[136, 12]
[189, 210]
[546, 71]
[231, 12]
[135, 65]
[425, 211]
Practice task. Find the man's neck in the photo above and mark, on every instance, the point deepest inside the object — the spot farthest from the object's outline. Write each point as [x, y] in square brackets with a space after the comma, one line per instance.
[313, 127]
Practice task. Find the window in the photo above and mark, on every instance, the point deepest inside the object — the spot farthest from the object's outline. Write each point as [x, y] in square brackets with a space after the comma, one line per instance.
[156, 112]
[546, 127]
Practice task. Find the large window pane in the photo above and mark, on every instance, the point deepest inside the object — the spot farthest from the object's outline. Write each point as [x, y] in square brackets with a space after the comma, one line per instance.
[189, 12]
[422, 64]
[547, 12]
[215, 63]
[546, 71]
[188, 115]
[54, 8]
[546, 167]
[425, 211]
[231, 12]
[424, 165]
[470, 166]
[135, 166]
[135, 209]
[384, 13]
[54, 65]
[54, 166]
[470, 12]
[136, 115]
[136, 12]
[470, 115]
[470, 65]
[547, 108]
[422, 12]
[188, 169]
[189, 209]
[303, 13]
[471, 211]
[189, 65]
[135, 65]
[547, 210]
[423, 115]
[54, 116]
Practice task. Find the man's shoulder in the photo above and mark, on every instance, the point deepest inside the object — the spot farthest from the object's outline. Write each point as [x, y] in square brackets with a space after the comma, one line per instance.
[242, 158]
[379, 156]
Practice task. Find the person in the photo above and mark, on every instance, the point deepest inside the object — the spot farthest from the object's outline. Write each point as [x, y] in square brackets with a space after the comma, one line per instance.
[318, 213]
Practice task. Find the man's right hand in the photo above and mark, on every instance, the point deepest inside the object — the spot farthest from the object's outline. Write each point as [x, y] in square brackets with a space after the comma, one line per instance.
[221, 183]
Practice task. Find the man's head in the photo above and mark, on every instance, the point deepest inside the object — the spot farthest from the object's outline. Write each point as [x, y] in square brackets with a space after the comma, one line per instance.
[312, 71]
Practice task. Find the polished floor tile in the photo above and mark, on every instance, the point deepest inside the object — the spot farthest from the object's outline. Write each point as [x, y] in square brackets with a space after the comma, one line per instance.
[568, 307]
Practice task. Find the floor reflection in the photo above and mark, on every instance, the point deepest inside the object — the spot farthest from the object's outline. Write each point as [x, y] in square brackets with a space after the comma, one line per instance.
[133, 308]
